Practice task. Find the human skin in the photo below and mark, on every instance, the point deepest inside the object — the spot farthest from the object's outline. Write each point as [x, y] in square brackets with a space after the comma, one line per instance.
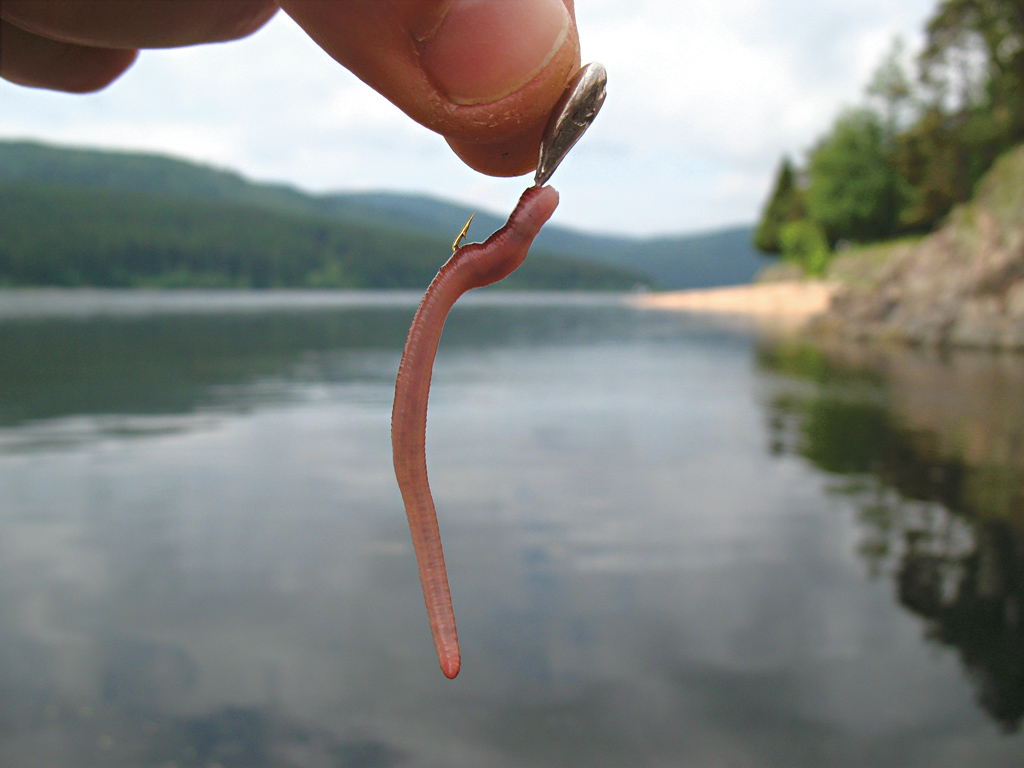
[482, 73]
[471, 266]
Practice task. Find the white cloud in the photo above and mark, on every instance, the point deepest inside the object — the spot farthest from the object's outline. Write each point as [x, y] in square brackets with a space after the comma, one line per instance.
[704, 97]
[729, 83]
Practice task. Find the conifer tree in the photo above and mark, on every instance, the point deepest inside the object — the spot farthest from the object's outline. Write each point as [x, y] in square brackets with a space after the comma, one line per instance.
[784, 206]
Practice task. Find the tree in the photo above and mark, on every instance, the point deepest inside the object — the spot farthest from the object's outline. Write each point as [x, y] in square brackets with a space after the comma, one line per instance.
[803, 242]
[891, 85]
[853, 189]
[932, 164]
[901, 167]
[995, 26]
[784, 206]
[974, 58]
[972, 74]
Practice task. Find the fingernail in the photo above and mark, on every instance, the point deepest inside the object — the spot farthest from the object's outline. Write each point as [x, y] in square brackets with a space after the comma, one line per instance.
[483, 50]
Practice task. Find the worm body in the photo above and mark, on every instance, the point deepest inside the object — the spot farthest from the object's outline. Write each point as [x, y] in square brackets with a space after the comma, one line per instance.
[471, 266]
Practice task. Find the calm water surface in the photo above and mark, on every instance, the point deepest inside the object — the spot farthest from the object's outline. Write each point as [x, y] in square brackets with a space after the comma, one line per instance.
[670, 544]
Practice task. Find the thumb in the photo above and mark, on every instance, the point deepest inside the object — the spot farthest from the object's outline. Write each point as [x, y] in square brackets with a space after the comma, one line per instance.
[482, 73]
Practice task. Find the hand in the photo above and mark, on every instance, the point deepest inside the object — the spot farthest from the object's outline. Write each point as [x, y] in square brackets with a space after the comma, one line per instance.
[482, 73]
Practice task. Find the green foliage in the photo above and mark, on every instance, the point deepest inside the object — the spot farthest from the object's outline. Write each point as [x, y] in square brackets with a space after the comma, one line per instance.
[899, 167]
[724, 257]
[990, 32]
[152, 175]
[78, 236]
[785, 205]
[853, 189]
[892, 86]
[803, 242]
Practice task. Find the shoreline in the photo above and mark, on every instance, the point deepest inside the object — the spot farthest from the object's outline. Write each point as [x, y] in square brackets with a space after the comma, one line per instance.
[785, 304]
[789, 304]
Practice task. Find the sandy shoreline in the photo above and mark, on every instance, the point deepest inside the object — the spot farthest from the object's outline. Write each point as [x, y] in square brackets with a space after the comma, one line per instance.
[786, 303]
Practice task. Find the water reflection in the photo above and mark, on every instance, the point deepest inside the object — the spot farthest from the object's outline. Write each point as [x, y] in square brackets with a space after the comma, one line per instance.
[932, 449]
[177, 363]
[108, 353]
[204, 560]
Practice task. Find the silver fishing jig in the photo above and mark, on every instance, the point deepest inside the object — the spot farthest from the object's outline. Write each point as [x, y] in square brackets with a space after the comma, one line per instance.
[572, 115]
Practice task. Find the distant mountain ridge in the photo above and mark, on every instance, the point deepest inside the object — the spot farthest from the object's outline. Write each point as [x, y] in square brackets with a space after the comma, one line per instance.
[724, 257]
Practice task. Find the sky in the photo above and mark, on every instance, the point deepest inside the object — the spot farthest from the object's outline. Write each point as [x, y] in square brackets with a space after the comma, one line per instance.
[704, 98]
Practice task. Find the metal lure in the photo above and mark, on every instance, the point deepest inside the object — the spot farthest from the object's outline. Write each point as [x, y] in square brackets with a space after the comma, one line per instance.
[572, 115]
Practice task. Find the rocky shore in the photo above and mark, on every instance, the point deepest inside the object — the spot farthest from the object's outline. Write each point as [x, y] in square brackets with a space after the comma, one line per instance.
[962, 286]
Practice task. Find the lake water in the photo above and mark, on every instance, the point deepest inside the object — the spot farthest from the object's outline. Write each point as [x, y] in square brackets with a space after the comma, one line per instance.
[670, 543]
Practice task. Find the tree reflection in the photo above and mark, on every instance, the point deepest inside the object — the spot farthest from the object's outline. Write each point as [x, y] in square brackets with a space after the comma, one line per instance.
[931, 450]
[176, 362]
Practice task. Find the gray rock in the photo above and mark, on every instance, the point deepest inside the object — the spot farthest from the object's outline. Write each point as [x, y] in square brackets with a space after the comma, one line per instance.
[962, 286]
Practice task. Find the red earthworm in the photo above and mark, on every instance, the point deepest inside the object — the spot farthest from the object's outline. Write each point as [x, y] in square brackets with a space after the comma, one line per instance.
[471, 266]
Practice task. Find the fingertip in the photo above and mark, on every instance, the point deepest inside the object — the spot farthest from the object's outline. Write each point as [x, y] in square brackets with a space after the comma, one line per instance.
[502, 138]
[462, 93]
[129, 25]
[513, 156]
[482, 52]
[96, 70]
[38, 62]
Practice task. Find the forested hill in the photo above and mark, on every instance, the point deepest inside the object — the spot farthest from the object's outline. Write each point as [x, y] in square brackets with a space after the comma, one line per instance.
[115, 218]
